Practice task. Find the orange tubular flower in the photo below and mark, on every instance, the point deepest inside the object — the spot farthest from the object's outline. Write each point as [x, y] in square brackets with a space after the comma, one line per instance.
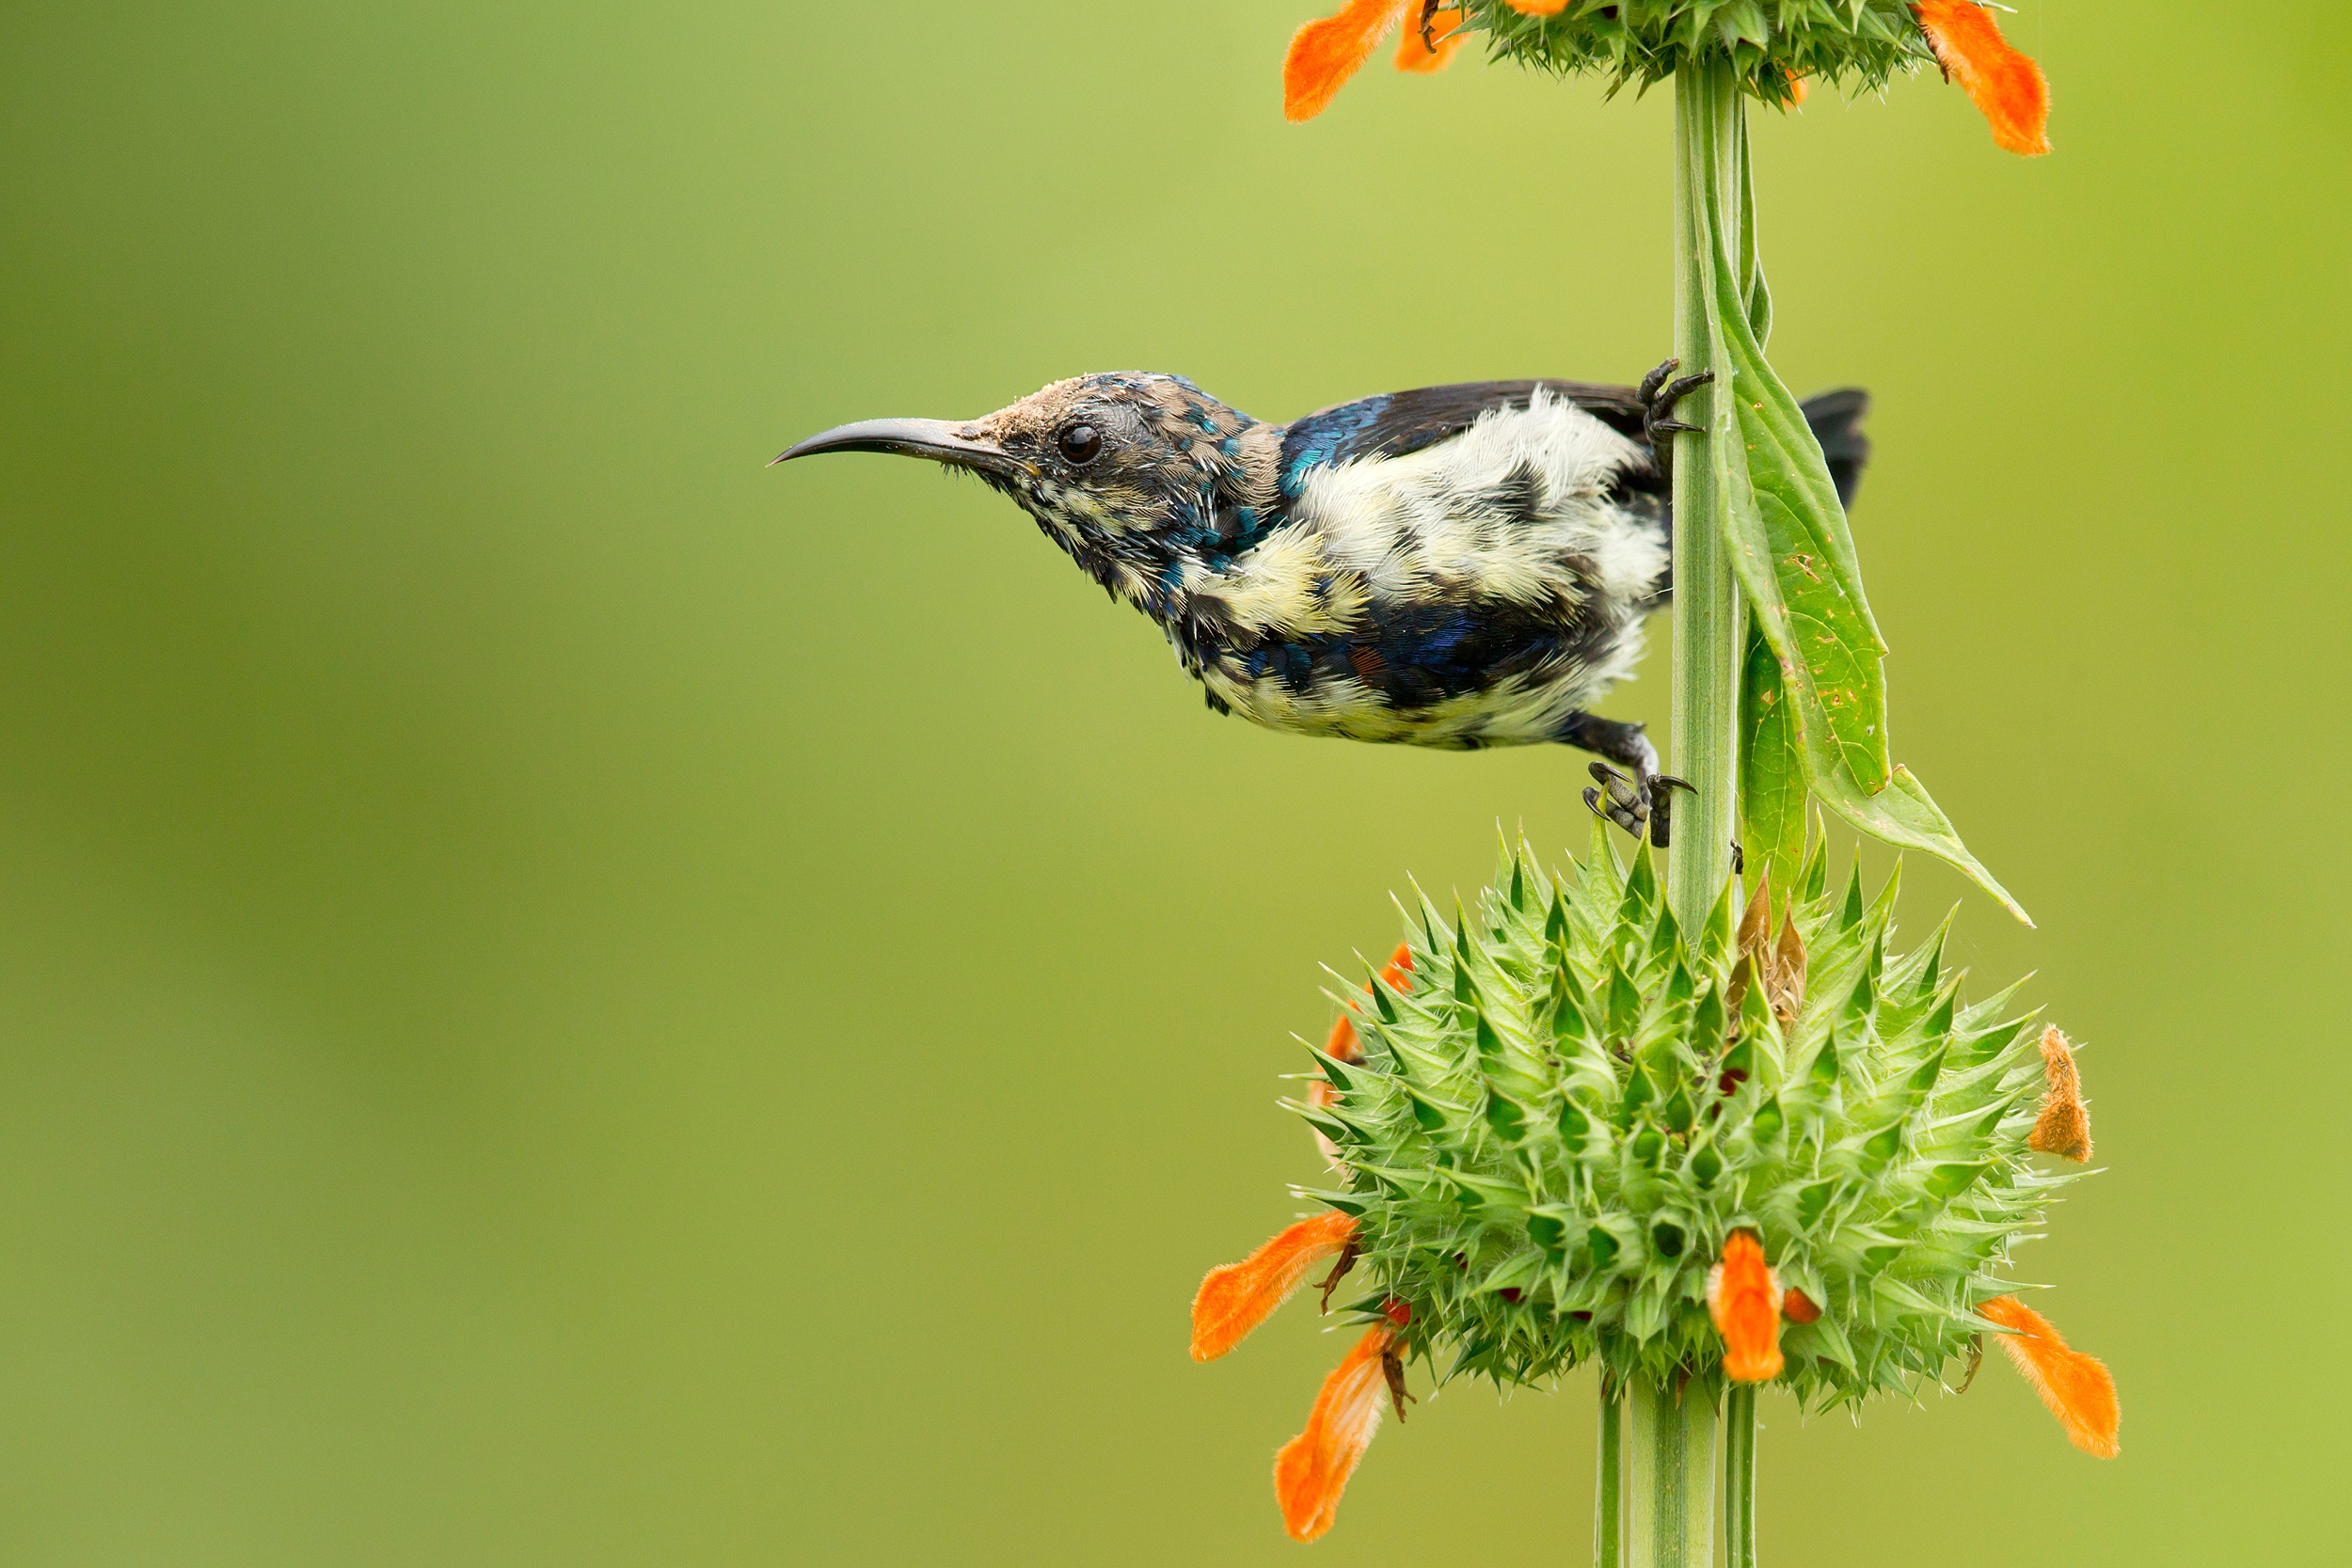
[2007, 86]
[1237, 1297]
[1311, 1469]
[1326, 53]
[2076, 1387]
[1743, 1297]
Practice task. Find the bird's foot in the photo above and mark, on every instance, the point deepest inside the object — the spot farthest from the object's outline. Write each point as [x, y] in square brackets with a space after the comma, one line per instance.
[1658, 392]
[1645, 800]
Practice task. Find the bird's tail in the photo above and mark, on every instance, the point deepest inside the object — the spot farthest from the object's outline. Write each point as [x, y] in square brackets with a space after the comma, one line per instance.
[1837, 421]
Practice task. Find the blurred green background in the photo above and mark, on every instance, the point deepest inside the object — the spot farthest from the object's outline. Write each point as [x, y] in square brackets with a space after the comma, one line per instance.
[569, 999]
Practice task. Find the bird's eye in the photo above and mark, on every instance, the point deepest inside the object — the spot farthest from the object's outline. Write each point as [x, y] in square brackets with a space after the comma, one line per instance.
[1080, 444]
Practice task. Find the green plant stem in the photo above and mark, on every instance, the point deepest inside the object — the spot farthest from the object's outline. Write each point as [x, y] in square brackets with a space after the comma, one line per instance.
[1670, 1475]
[1739, 1475]
[1710, 148]
[1608, 1498]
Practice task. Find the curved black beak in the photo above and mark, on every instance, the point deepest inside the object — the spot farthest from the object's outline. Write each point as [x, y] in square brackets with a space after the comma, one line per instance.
[936, 439]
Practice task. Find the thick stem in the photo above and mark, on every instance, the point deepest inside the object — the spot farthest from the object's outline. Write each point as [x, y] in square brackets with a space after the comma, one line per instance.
[1670, 1475]
[1710, 149]
[1739, 1475]
[1609, 1497]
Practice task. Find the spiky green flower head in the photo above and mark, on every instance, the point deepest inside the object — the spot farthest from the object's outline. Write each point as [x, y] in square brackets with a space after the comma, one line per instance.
[1773, 44]
[1552, 1130]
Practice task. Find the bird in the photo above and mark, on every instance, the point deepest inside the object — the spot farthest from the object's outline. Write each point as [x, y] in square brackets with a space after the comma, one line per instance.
[1457, 567]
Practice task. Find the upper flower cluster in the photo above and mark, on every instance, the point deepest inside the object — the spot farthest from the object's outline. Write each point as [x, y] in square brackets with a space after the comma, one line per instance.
[1774, 46]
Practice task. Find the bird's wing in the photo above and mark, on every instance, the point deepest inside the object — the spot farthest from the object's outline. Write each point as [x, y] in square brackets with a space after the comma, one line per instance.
[1395, 423]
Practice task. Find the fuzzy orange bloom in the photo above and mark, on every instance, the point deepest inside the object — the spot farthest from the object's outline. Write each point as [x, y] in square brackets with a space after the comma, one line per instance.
[2076, 1387]
[1326, 53]
[1237, 1297]
[1414, 51]
[1311, 1469]
[2008, 87]
[2064, 1126]
[1743, 1297]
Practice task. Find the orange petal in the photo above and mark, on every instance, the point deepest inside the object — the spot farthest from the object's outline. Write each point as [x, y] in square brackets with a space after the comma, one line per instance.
[2064, 1126]
[1743, 1298]
[1311, 1470]
[1412, 53]
[2076, 1387]
[1325, 54]
[2007, 86]
[1236, 1298]
[1537, 7]
[1798, 1307]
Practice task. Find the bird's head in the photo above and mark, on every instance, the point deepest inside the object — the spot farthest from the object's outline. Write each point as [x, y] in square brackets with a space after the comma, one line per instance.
[1145, 480]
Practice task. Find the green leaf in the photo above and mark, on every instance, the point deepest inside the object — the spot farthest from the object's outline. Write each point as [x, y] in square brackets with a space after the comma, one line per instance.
[1772, 770]
[1788, 542]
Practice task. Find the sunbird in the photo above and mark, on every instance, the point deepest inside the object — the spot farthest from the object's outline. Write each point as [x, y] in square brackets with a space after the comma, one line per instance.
[1455, 566]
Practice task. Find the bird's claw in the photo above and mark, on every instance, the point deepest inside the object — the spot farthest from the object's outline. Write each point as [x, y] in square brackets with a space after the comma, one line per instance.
[1658, 392]
[1633, 802]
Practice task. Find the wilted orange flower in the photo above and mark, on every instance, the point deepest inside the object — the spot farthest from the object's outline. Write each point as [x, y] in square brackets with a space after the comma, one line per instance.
[2076, 1387]
[1325, 54]
[1311, 1469]
[1743, 1296]
[2005, 84]
[2064, 1126]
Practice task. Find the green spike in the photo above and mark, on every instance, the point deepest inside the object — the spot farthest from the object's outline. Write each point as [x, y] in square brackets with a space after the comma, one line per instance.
[1677, 990]
[1707, 1166]
[1931, 969]
[1508, 1120]
[1767, 1122]
[1649, 1144]
[1556, 924]
[1431, 1117]
[1329, 1125]
[1549, 1231]
[1465, 989]
[1666, 938]
[1715, 941]
[1574, 1125]
[1570, 1020]
[1640, 880]
[1518, 881]
[1939, 1022]
[1604, 1246]
[1639, 1091]
[1882, 915]
[1813, 1202]
[1741, 1059]
[1883, 1145]
[1382, 1002]
[1851, 916]
[1708, 1023]
[1625, 1004]
[1490, 1043]
[1668, 1235]
[1340, 1075]
[1948, 1182]
[1813, 880]
[1924, 1076]
[1679, 1114]
[1823, 1073]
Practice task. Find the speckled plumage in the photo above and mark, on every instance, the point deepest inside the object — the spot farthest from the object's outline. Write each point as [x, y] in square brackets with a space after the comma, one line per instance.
[1455, 566]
